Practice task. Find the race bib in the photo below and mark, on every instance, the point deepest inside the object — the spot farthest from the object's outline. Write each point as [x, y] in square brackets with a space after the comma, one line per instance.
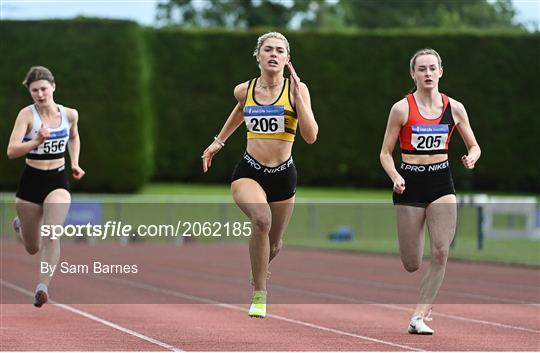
[56, 143]
[429, 137]
[265, 119]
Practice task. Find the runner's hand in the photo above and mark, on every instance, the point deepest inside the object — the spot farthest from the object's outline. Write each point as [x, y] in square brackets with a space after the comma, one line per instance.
[468, 162]
[295, 81]
[399, 185]
[77, 172]
[208, 154]
[43, 134]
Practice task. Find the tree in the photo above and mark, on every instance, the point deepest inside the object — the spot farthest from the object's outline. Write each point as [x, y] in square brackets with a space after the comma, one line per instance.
[321, 14]
[225, 13]
[177, 12]
[450, 14]
[338, 14]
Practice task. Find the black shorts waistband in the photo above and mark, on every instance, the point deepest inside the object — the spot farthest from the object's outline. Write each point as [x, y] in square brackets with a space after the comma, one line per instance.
[45, 171]
[424, 168]
[253, 163]
[48, 156]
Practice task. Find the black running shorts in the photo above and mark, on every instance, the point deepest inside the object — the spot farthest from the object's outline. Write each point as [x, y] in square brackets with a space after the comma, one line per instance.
[279, 183]
[36, 184]
[424, 183]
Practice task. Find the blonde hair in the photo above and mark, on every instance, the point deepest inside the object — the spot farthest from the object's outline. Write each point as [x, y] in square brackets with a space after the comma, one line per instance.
[37, 73]
[425, 51]
[268, 35]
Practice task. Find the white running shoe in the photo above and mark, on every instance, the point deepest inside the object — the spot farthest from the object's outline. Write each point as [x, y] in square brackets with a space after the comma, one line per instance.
[418, 326]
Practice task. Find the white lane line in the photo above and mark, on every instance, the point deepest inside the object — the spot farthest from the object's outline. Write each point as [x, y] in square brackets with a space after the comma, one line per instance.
[386, 285]
[343, 299]
[388, 306]
[95, 318]
[403, 308]
[371, 283]
[461, 318]
[339, 332]
[236, 307]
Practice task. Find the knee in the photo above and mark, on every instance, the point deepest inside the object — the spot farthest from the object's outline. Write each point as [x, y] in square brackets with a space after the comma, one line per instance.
[412, 265]
[261, 224]
[31, 248]
[58, 196]
[439, 255]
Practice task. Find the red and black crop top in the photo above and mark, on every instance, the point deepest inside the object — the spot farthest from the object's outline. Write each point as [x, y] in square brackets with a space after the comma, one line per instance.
[426, 135]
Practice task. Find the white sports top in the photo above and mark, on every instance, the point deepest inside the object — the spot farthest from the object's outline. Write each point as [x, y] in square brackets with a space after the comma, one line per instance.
[54, 146]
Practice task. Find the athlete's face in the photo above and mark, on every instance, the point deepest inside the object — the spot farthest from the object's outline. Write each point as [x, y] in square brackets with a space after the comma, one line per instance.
[273, 55]
[427, 72]
[42, 92]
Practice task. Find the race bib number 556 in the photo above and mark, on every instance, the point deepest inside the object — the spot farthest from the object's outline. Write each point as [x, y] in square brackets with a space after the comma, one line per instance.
[429, 137]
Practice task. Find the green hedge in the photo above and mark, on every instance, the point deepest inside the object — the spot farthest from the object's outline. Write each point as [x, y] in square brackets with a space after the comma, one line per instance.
[151, 100]
[99, 70]
[193, 95]
[354, 80]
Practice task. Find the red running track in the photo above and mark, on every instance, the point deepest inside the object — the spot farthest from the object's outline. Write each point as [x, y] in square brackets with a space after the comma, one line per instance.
[195, 297]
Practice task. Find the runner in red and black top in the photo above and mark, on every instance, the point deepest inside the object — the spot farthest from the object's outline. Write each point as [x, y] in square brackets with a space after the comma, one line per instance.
[424, 135]
[423, 186]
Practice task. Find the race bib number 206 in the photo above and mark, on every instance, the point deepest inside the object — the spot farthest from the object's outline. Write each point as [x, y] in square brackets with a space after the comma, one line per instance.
[265, 119]
[429, 137]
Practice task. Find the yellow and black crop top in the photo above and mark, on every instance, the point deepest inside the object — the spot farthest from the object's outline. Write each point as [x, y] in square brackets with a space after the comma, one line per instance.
[276, 121]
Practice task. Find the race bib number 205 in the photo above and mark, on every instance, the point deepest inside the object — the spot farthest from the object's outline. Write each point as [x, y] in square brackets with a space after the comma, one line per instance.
[429, 137]
[265, 119]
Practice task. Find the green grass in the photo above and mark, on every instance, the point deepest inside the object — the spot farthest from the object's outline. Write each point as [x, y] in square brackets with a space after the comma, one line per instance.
[185, 189]
[302, 192]
[464, 249]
